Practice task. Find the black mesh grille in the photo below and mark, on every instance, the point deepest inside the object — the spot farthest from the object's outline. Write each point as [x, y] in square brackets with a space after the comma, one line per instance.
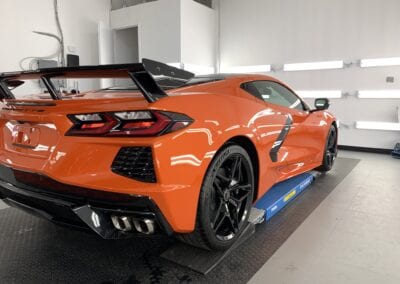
[136, 163]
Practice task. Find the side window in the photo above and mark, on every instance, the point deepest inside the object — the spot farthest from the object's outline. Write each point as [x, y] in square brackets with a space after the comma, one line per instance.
[274, 93]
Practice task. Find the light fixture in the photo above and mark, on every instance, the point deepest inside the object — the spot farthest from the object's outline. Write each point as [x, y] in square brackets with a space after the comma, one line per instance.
[333, 94]
[247, 69]
[380, 94]
[175, 64]
[313, 66]
[392, 61]
[198, 69]
[375, 125]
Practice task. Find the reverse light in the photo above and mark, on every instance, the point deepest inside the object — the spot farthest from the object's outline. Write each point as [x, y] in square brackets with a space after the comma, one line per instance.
[88, 117]
[133, 115]
[128, 123]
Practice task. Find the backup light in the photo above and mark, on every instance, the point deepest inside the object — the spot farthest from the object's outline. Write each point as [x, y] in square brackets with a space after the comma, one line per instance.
[334, 94]
[247, 69]
[134, 115]
[382, 94]
[89, 117]
[313, 66]
[377, 62]
[375, 125]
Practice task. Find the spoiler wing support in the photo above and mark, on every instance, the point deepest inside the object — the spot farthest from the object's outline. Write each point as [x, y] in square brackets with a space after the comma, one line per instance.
[50, 87]
[147, 85]
[140, 73]
[4, 91]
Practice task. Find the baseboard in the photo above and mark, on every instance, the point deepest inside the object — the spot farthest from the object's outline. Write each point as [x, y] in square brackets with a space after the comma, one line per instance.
[365, 149]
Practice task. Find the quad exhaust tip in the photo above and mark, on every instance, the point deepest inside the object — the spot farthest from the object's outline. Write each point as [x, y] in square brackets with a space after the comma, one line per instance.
[129, 224]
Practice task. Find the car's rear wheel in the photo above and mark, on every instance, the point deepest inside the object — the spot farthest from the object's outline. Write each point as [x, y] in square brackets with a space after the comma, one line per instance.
[225, 200]
[330, 152]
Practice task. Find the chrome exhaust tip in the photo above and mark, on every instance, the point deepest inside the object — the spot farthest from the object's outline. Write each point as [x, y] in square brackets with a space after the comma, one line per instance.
[129, 224]
[144, 226]
[122, 223]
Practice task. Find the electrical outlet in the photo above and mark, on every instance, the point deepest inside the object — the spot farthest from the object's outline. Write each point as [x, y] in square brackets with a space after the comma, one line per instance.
[71, 48]
[389, 79]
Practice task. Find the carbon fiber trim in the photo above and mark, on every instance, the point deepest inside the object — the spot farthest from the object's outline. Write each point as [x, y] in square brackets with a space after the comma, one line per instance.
[281, 138]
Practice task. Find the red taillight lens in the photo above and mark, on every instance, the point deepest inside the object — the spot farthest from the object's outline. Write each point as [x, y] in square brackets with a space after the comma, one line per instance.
[130, 123]
[93, 125]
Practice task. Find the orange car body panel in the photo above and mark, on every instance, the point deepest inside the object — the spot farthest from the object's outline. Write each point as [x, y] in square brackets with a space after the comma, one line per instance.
[221, 110]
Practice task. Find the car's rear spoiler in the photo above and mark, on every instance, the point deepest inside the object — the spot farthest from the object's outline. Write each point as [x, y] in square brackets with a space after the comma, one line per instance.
[141, 73]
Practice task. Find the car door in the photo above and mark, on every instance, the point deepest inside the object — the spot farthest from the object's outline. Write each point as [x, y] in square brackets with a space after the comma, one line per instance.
[295, 142]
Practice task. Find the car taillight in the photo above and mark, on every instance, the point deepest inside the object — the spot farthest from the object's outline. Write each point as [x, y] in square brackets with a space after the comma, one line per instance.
[127, 123]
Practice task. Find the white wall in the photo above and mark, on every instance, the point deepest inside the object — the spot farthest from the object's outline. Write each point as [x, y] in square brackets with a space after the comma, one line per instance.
[277, 32]
[198, 34]
[126, 46]
[172, 31]
[158, 25]
[79, 19]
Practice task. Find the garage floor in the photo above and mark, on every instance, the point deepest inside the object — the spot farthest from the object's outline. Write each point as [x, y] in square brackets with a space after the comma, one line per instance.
[352, 237]
[326, 235]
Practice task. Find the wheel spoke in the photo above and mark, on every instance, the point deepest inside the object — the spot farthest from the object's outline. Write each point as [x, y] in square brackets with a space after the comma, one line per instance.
[239, 200]
[236, 168]
[234, 224]
[219, 223]
[242, 198]
[219, 189]
[234, 202]
[331, 141]
[246, 187]
[223, 177]
[329, 158]
[218, 213]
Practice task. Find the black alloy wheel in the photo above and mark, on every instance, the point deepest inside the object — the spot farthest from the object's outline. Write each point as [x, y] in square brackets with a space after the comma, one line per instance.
[225, 200]
[330, 151]
[233, 189]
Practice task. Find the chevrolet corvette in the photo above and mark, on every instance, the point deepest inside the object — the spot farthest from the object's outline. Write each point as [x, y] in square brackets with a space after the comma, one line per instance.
[146, 148]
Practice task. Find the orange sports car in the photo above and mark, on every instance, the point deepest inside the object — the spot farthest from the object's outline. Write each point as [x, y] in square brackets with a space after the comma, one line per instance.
[148, 148]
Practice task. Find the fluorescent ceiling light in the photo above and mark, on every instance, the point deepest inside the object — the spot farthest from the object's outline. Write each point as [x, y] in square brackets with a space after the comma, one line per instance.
[313, 66]
[375, 125]
[380, 62]
[334, 94]
[199, 69]
[176, 64]
[382, 94]
[196, 69]
[247, 69]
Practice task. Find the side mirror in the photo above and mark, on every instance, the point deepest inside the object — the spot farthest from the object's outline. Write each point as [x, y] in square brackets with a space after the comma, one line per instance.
[321, 104]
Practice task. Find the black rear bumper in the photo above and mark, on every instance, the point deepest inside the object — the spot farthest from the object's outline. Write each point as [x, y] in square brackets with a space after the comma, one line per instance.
[75, 206]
